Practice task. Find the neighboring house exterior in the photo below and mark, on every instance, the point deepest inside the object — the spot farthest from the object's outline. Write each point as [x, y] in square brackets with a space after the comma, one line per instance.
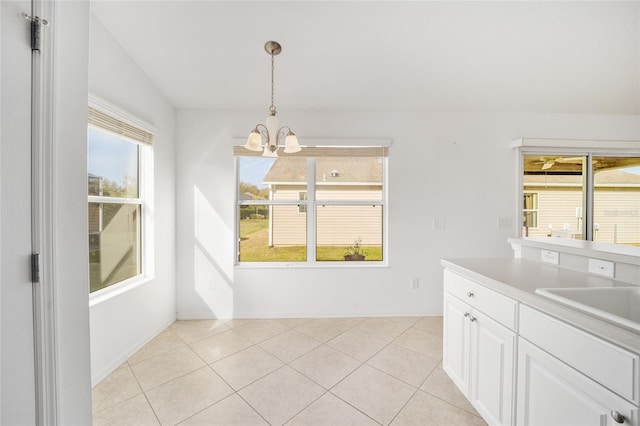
[553, 206]
[337, 179]
[113, 239]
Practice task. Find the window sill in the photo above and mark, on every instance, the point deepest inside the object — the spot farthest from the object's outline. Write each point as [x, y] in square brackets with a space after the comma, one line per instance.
[115, 290]
[304, 265]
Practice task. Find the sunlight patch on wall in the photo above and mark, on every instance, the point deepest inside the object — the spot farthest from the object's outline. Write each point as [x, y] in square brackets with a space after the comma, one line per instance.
[213, 257]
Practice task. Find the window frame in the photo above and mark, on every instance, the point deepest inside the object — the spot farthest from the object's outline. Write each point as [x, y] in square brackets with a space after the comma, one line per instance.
[302, 205]
[145, 200]
[536, 210]
[311, 204]
[571, 147]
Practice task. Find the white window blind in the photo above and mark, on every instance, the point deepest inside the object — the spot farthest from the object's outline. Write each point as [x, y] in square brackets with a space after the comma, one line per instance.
[113, 125]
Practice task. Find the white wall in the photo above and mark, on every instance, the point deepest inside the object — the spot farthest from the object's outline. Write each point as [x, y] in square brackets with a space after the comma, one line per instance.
[122, 324]
[456, 166]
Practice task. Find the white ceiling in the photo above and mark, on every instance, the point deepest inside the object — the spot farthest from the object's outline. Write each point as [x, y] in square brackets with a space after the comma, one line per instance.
[579, 57]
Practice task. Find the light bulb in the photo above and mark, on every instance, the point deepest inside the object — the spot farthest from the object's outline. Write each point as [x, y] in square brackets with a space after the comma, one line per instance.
[291, 143]
[253, 141]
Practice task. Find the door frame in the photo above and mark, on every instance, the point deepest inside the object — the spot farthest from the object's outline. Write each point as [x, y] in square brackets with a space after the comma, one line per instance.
[43, 217]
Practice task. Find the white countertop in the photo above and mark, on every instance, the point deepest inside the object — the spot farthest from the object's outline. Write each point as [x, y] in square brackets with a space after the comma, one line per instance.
[519, 279]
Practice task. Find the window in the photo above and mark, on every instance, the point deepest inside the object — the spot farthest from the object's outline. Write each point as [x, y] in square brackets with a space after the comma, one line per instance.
[616, 200]
[587, 194]
[117, 157]
[315, 207]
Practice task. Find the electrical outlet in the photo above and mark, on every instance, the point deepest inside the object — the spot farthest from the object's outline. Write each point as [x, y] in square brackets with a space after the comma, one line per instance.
[504, 223]
[415, 283]
[549, 256]
[439, 223]
[601, 267]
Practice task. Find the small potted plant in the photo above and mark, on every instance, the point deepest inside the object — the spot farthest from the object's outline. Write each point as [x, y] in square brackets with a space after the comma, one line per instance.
[355, 252]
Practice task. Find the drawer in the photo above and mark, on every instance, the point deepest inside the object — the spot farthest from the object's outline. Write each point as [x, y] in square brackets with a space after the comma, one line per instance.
[607, 364]
[493, 304]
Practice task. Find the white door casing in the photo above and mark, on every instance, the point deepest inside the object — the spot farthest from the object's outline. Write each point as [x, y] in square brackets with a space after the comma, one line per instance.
[17, 375]
[44, 374]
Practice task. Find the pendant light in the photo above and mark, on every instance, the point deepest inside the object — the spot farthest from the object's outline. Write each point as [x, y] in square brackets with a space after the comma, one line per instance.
[267, 137]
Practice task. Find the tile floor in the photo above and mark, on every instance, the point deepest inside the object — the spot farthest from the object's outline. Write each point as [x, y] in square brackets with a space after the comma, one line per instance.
[339, 371]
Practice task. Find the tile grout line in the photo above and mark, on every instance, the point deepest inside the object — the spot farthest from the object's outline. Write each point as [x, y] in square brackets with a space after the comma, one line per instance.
[144, 393]
[299, 372]
[306, 406]
[321, 343]
[152, 409]
[252, 407]
[404, 405]
[354, 407]
[416, 389]
[361, 362]
[174, 378]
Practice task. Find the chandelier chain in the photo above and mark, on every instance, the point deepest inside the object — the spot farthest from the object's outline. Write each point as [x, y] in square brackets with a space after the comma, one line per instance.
[272, 108]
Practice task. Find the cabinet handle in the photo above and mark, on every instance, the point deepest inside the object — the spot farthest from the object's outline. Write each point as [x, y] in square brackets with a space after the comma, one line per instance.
[470, 294]
[466, 314]
[617, 417]
[472, 319]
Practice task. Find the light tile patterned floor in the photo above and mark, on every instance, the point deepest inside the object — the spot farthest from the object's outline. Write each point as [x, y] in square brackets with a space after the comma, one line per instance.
[325, 372]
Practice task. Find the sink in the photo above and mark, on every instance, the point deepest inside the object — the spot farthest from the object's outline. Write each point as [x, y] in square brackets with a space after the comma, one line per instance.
[620, 305]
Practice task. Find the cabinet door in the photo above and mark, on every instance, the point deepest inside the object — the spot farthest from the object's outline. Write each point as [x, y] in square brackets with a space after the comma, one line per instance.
[552, 393]
[492, 369]
[455, 357]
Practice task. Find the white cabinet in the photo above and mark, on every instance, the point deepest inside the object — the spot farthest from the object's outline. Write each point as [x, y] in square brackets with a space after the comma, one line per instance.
[478, 354]
[518, 365]
[492, 369]
[552, 393]
[569, 377]
[609, 365]
[456, 342]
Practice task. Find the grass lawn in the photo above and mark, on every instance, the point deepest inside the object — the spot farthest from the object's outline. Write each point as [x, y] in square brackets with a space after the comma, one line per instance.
[254, 237]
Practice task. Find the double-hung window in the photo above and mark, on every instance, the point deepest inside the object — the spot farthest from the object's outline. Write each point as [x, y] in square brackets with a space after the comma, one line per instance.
[323, 205]
[118, 162]
[582, 192]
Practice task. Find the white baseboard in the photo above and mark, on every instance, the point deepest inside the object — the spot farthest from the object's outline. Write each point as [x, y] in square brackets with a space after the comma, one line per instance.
[185, 316]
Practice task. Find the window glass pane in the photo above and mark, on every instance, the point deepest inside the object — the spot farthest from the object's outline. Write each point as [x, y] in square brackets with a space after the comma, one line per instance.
[276, 233]
[112, 165]
[557, 210]
[263, 178]
[349, 178]
[114, 243]
[616, 201]
[346, 230]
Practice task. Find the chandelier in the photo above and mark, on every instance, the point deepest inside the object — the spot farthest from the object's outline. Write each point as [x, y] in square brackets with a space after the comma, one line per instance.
[270, 133]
